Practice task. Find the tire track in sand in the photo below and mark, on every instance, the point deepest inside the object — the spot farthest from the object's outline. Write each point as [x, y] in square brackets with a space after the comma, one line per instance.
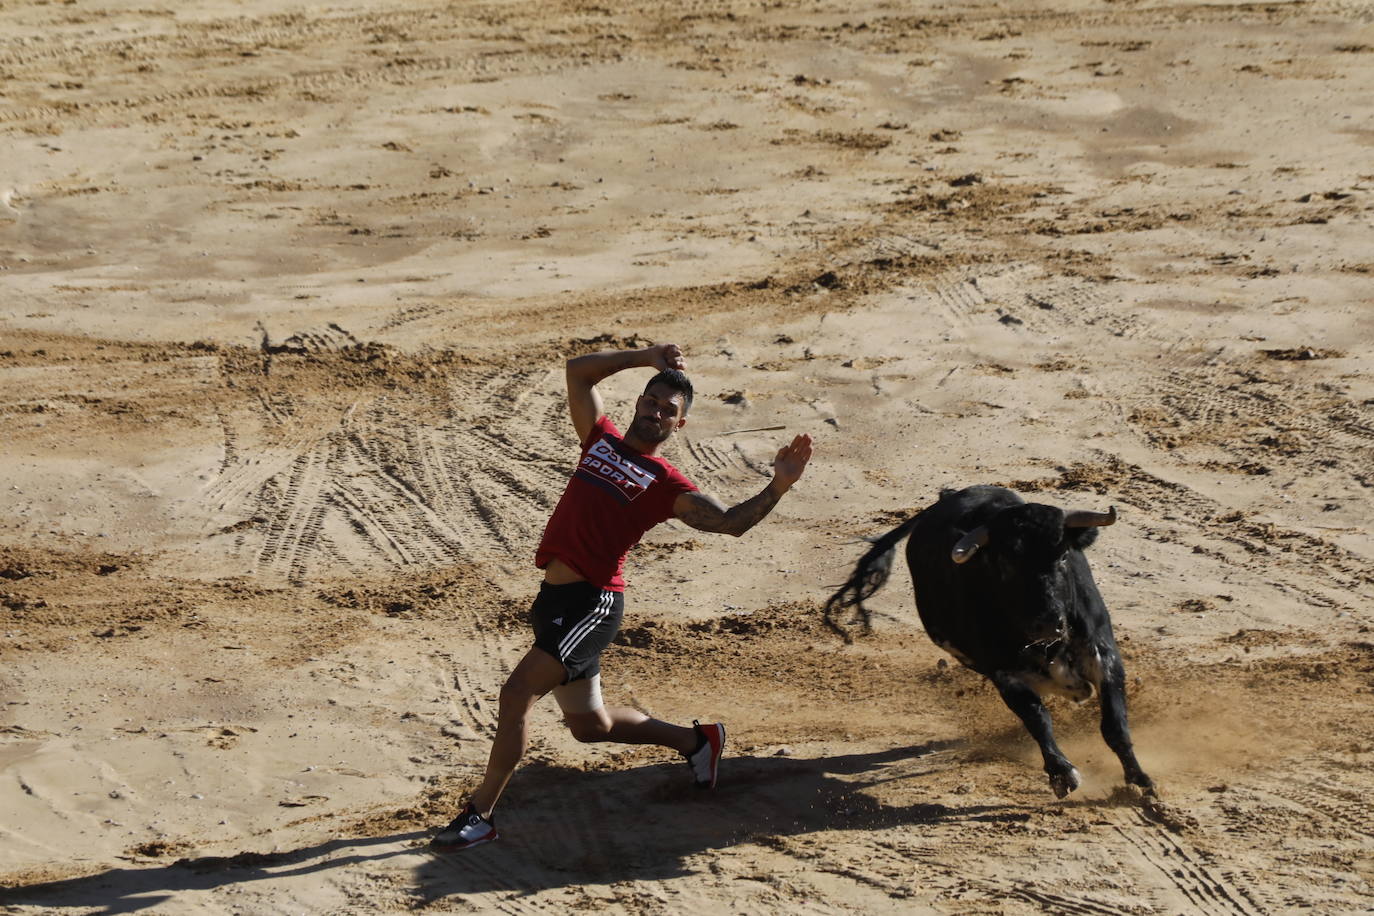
[1283, 557]
[295, 518]
[716, 459]
[1281, 421]
[387, 486]
[396, 72]
[1344, 805]
[1184, 879]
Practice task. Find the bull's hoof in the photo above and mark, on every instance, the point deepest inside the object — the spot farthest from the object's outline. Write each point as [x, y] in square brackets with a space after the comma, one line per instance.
[1065, 782]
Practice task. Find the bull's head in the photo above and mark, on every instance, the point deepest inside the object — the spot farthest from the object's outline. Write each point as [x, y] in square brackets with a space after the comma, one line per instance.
[1026, 572]
[978, 538]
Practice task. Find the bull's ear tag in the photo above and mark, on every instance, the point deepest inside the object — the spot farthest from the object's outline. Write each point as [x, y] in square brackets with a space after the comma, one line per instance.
[558, 621]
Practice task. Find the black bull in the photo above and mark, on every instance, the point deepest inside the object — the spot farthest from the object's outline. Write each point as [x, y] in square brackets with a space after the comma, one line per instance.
[1003, 586]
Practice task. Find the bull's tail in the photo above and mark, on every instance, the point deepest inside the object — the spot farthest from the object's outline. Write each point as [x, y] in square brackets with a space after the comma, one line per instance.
[869, 575]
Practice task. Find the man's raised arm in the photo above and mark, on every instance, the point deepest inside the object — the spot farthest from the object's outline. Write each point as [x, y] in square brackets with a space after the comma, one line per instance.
[706, 513]
[584, 372]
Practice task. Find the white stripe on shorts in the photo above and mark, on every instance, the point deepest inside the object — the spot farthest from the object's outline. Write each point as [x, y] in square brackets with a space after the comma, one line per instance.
[586, 625]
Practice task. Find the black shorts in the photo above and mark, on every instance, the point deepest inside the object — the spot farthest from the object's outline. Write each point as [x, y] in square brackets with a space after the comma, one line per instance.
[575, 623]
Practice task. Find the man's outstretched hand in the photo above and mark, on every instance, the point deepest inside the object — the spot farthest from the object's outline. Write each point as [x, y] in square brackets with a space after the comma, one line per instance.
[791, 461]
[706, 513]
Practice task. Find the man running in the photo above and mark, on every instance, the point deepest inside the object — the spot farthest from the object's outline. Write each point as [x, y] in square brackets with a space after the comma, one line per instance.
[620, 489]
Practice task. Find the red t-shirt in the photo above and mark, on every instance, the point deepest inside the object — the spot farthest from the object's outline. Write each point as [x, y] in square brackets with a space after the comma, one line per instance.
[615, 495]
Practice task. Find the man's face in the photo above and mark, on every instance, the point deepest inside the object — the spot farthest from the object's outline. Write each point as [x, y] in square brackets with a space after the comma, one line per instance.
[659, 413]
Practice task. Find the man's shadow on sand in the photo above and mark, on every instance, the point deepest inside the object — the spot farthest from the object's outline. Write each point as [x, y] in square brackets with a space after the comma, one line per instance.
[128, 890]
[564, 827]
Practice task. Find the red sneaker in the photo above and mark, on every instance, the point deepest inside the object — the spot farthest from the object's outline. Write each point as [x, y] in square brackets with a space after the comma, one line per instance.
[705, 760]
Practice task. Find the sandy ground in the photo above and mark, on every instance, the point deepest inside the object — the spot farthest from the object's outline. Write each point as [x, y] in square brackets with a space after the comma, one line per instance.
[287, 290]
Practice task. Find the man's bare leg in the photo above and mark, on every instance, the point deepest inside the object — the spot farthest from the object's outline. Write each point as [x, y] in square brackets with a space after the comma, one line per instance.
[627, 725]
[536, 674]
[702, 745]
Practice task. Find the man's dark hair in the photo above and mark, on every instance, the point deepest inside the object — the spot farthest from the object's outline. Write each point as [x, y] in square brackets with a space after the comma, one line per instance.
[677, 380]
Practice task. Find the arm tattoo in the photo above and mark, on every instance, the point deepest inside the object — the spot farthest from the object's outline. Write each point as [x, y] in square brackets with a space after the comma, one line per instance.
[702, 515]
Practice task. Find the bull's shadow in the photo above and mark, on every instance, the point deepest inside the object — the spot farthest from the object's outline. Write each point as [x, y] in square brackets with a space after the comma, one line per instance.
[563, 828]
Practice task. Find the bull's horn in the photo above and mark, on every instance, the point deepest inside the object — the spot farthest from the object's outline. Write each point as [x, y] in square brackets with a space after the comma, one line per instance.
[1084, 519]
[968, 544]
